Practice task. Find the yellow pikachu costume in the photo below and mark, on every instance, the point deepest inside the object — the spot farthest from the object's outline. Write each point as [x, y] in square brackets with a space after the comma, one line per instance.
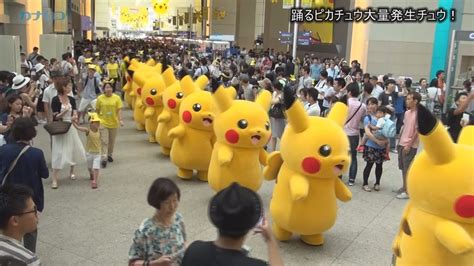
[313, 153]
[139, 77]
[437, 226]
[172, 98]
[152, 93]
[193, 138]
[242, 129]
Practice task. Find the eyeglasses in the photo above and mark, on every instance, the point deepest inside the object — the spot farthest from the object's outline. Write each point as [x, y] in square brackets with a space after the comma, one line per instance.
[35, 211]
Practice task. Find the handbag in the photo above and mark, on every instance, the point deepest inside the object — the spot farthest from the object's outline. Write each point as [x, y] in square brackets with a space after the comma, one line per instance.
[277, 111]
[12, 166]
[57, 127]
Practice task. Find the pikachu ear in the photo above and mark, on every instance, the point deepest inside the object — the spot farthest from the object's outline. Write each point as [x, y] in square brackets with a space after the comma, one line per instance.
[295, 113]
[139, 78]
[222, 99]
[158, 68]
[201, 82]
[168, 76]
[187, 85]
[264, 99]
[338, 114]
[436, 141]
[467, 136]
[151, 62]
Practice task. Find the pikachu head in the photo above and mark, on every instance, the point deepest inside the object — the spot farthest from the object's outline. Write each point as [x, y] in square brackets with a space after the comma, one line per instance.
[175, 93]
[196, 110]
[314, 146]
[242, 124]
[152, 91]
[141, 74]
[441, 177]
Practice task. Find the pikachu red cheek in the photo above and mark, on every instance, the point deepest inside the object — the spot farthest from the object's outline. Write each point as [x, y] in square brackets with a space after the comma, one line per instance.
[311, 165]
[232, 136]
[139, 91]
[465, 206]
[150, 101]
[187, 116]
[171, 103]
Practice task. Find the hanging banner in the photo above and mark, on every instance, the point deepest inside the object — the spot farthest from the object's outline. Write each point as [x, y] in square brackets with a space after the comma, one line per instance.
[306, 3]
[288, 4]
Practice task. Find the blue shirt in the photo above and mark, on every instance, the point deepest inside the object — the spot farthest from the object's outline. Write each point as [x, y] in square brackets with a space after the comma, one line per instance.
[315, 71]
[373, 121]
[399, 105]
[29, 170]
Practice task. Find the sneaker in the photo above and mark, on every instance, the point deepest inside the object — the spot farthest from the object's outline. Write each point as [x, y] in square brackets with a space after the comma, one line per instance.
[350, 183]
[360, 149]
[366, 188]
[104, 164]
[402, 195]
[73, 177]
[393, 151]
[377, 187]
[110, 159]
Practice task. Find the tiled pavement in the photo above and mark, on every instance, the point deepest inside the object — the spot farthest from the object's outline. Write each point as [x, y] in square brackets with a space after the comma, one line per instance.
[81, 226]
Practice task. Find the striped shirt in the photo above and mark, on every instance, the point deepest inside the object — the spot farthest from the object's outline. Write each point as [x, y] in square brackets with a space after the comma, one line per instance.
[10, 247]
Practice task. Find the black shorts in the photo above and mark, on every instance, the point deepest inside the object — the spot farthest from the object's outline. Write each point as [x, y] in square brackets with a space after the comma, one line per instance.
[40, 105]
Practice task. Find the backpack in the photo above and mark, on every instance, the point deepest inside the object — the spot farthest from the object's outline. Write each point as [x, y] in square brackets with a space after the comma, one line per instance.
[389, 129]
[97, 89]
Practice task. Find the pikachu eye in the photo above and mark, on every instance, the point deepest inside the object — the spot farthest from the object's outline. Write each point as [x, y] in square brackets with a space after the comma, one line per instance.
[242, 123]
[325, 150]
[153, 92]
[197, 107]
[179, 95]
[267, 126]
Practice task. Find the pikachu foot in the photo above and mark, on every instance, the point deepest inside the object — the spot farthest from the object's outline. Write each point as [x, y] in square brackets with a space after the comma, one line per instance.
[280, 233]
[139, 127]
[313, 240]
[151, 139]
[202, 175]
[165, 150]
[185, 174]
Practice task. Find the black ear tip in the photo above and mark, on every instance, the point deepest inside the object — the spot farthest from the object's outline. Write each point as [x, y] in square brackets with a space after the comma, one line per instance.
[215, 84]
[288, 96]
[426, 120]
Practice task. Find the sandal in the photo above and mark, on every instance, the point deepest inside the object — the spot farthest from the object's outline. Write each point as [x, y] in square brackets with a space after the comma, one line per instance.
[366, 188]
[54, 185]
[377, 187]
[93, 184]
[73, 177]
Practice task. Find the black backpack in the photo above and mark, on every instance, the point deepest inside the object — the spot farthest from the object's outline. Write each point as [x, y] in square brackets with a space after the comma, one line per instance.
[97, 89]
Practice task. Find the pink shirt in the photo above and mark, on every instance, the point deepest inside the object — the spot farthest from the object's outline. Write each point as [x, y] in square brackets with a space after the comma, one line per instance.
[352, 127]
[409, 134]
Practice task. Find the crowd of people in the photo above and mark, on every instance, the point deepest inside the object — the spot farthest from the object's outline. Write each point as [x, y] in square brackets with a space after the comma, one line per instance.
[381, 124]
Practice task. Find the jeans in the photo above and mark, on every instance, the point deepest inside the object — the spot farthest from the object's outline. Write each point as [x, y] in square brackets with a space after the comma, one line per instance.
[29, 241]
[353, 140]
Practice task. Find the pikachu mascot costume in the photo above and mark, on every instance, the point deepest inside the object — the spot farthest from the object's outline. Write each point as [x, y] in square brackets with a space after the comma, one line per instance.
[313, 153]
[152, 93]
[193, 138]
[437, 226]
[141, 75]
[172, 98]
[242, 129]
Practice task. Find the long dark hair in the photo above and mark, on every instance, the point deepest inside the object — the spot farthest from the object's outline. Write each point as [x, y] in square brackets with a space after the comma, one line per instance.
[9, 100]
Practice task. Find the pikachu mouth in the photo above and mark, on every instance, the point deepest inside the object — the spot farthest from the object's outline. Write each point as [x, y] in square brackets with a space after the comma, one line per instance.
[338, 169]
[207, 122]
[255, 139]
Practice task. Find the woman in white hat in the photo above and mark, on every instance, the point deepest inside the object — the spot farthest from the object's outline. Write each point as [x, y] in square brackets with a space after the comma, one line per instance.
[26, 90]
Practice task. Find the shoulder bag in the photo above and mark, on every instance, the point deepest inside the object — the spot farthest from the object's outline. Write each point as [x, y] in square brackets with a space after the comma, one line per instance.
[353, 114]
[12, 166]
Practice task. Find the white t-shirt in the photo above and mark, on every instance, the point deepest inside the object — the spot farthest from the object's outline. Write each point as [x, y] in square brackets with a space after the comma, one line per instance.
[314, 110]
[376, 91]
[327, 95]
[50, 92]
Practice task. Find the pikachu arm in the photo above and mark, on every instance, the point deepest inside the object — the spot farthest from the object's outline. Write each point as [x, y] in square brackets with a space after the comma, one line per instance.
[224, 155]
[404, 228]
[454, 237]
[274, 162]
[262, 157]
[164, 117]
[342, 192]
[149, 111]
[177, 132]
[299, 187]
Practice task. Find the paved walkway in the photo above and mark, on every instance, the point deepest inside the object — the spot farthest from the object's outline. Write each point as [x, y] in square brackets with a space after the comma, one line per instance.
[81, 226]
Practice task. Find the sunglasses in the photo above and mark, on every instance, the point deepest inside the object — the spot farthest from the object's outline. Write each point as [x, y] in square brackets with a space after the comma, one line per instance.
[35, 211]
